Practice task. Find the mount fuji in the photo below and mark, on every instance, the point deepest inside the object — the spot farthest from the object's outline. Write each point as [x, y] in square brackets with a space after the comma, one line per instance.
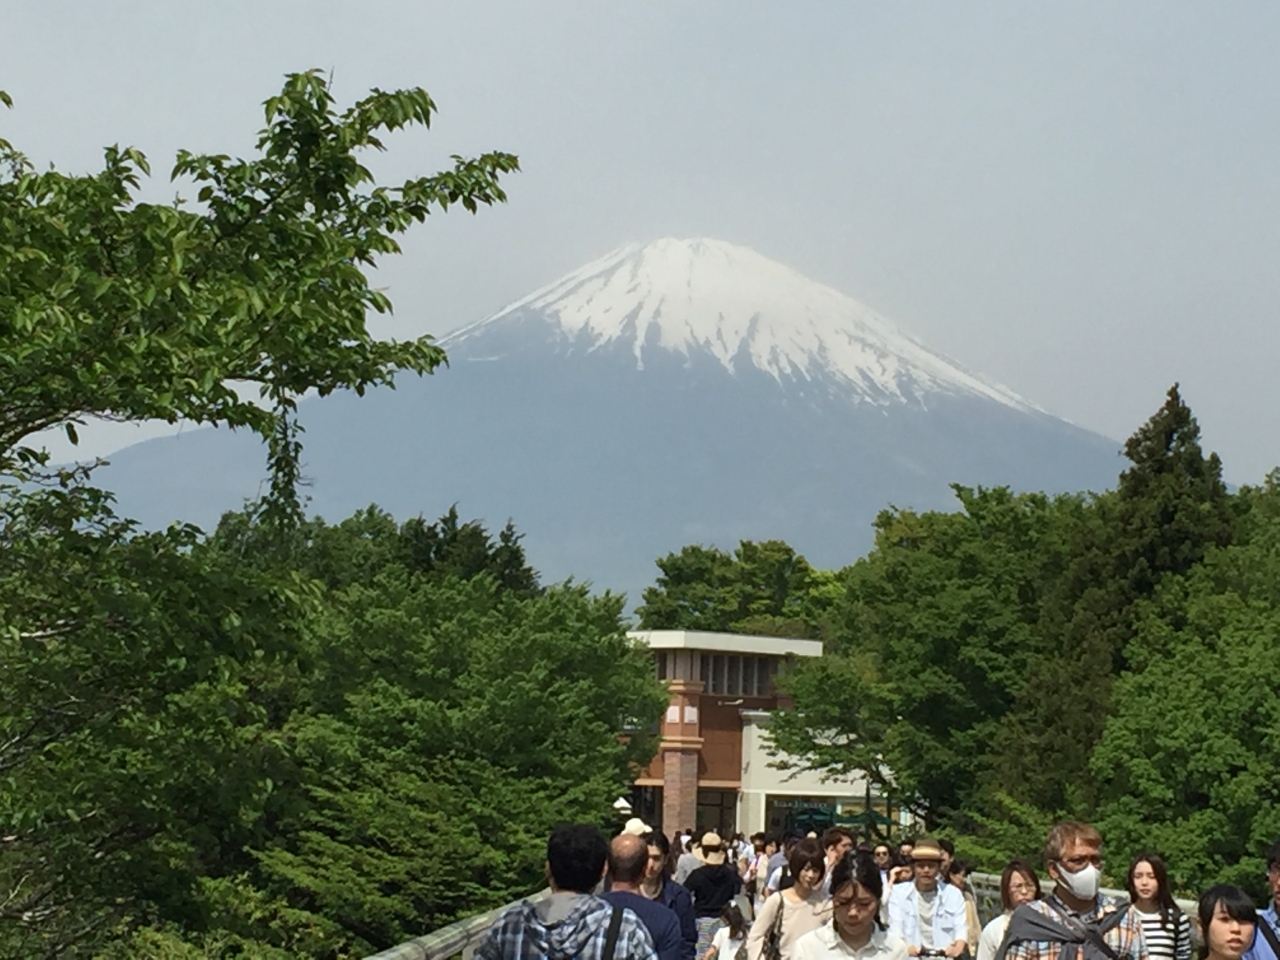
[683, 391]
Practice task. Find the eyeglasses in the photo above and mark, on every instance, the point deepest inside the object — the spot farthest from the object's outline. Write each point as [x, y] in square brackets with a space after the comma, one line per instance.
[1079, 863]
[1022, 888]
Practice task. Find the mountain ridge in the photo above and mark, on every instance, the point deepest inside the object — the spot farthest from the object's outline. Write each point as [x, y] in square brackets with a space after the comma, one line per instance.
[608, 451]
[656, 295]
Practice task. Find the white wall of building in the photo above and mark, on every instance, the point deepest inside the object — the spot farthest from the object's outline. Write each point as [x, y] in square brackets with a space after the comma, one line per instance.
[760, 779]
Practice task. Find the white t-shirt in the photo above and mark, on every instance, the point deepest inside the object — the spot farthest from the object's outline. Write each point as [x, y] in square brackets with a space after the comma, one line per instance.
[992, 936]
[925, 904]
[727, 948]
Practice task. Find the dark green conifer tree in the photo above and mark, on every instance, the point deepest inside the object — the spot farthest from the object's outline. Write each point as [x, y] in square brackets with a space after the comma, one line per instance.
[1170, 507]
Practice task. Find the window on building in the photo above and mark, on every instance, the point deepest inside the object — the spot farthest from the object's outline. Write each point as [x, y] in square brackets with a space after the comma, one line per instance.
[737, 676]
[660, 664]
[718, 811]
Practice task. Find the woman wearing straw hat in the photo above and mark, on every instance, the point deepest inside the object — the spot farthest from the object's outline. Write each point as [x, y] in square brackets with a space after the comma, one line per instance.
[712, 885]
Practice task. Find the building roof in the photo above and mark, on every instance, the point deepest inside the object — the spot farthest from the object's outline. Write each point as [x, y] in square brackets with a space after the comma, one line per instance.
[728, 643]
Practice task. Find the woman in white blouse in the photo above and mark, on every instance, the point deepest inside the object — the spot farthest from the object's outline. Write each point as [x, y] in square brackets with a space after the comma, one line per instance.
[854, 930]
[1018, 885]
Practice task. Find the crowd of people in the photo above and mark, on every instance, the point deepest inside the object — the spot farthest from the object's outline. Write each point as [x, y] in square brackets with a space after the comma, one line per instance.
[641, 896]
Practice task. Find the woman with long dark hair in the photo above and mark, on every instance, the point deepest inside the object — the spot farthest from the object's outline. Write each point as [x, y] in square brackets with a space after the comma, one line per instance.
[1018, 885]
[855, 928]
[1166, 930]
[1228, 919]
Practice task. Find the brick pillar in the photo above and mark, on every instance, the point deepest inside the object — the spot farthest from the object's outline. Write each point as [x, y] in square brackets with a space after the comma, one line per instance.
[681, 749]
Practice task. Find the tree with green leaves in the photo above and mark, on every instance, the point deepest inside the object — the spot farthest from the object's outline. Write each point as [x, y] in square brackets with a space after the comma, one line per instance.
[144, 676]
[1189, 759]
[115, 308]
[1169, 510]
[761, 588]
[356, 549]
[450, 725]
[930, 646]
[137, 744]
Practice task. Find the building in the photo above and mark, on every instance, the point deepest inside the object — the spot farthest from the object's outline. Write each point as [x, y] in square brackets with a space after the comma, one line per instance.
[713, 770]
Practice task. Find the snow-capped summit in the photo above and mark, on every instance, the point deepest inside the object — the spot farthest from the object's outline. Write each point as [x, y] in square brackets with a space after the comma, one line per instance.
[708, 296]
[686, 391]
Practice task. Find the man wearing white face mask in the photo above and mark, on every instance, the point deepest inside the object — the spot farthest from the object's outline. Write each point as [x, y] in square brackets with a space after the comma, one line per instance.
[1073, 922]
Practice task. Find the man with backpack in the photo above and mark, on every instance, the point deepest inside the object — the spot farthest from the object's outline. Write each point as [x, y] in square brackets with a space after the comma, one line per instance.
[1074, 922]
[1266, 939]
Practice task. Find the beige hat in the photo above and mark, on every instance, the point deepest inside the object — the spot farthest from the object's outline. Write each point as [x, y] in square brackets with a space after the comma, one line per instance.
[636, 827]
[711, 849]
[926, 848]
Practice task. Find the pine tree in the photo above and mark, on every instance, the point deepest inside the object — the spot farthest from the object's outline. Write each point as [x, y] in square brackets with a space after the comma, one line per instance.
[1169, 509]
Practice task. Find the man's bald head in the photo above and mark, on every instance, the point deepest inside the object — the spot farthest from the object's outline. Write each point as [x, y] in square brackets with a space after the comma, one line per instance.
[628, 856]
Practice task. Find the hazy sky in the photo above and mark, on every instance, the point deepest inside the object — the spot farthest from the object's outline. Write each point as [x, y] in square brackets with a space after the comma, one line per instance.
[1079, 200]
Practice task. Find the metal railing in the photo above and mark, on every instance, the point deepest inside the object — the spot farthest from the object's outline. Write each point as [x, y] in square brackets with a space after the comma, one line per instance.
[462, 938]
[457, 939]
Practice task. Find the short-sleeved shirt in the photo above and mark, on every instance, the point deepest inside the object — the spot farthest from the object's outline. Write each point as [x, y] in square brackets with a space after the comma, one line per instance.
[1261, 950]
[992, 936]
[727, 947]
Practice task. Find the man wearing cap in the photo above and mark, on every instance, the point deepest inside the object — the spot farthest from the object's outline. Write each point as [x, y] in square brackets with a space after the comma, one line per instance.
[926, 914]
[712, 885]
[1264, 946]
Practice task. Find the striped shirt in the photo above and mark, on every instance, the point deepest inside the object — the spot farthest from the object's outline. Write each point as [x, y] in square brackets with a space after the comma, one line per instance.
[1171, 941]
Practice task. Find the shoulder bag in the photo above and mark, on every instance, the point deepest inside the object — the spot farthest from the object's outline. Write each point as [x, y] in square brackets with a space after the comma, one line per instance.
[772, 949]
[611, 937]
[1269, 935]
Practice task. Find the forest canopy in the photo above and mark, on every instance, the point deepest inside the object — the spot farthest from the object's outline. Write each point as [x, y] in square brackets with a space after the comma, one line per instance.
[252, 742]
[1029, 657]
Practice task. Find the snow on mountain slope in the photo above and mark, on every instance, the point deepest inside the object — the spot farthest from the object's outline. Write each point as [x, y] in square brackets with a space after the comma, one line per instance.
[690, 296]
